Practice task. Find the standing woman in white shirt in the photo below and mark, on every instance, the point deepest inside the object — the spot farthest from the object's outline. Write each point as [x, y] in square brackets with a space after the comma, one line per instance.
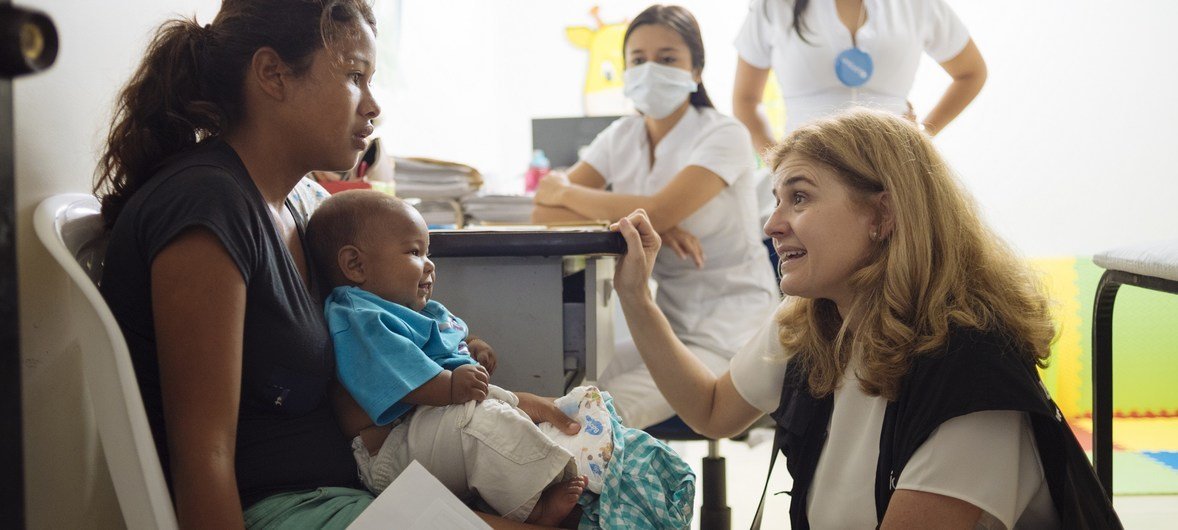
[691, 169]
[830, 55]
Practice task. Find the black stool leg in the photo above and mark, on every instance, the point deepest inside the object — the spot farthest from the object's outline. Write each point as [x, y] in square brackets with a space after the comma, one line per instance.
[715, 513]
[1102, 379]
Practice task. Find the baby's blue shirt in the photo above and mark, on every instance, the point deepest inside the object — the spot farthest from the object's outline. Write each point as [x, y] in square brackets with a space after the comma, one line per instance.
[384, 350]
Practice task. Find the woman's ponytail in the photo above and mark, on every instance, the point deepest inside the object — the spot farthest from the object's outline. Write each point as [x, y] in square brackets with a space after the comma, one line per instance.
[700, 99]
[161, 112]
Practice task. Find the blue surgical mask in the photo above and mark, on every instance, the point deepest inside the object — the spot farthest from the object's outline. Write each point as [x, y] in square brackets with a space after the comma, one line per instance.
[656, 89]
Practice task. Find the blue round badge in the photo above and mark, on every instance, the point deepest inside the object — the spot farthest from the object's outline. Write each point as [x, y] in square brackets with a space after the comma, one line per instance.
[853, 67]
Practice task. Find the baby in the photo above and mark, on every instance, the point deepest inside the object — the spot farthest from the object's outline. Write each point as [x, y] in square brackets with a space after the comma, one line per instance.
[414, 392]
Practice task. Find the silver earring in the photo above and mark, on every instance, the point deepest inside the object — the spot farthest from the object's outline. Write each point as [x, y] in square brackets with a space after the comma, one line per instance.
[874, 235]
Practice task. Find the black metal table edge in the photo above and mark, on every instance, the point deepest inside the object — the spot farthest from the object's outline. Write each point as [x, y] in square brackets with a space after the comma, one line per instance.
[497, 243]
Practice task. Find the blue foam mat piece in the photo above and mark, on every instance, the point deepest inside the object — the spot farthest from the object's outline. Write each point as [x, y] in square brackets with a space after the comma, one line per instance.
[1169, 458]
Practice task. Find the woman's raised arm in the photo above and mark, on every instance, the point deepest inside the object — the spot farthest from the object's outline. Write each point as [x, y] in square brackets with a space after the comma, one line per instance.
[198, 300]
[708, 404]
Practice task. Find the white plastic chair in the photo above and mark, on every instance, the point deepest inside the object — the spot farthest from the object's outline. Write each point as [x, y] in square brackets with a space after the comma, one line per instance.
[71, 229]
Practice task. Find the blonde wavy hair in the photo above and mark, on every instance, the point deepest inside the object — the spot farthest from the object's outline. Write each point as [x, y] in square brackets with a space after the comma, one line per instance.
[940, 266]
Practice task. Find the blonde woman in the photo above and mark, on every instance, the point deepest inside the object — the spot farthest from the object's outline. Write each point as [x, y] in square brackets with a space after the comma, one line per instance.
[901, 367]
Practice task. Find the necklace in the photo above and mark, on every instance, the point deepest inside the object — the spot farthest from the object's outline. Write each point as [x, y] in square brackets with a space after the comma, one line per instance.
[854, 66]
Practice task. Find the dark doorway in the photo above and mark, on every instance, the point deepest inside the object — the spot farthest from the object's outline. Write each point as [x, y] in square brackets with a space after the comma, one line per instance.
[11, 457]
[28, 44]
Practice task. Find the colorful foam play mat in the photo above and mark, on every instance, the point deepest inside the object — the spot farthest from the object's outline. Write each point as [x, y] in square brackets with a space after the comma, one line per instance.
[1145, 368]
[1145, 454]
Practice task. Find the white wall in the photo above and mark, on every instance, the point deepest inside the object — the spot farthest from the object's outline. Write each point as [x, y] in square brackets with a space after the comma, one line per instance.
[1070, 148]
[61, 116]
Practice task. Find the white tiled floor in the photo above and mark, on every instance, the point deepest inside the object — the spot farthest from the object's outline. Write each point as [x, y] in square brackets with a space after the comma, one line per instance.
[746, 468]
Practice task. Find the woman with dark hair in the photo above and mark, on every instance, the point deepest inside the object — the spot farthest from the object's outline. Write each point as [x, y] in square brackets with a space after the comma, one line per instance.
[206, 271]
[691, 169]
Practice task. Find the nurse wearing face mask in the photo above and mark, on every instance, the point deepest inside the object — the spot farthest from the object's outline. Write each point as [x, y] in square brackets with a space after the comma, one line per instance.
[691, 169]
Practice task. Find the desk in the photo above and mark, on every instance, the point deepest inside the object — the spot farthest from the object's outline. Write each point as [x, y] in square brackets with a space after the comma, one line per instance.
[535, 296]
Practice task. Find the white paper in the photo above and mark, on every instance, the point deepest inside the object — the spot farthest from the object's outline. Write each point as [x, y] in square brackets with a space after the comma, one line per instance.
[417, 501]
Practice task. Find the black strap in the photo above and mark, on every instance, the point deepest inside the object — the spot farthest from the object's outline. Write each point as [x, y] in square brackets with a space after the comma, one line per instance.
[772, 460]
[885, 471]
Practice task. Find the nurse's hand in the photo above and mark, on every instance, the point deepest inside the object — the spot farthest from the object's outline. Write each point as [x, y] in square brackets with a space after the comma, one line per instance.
[550, 188]
[642, 245]
[684, 244]
[542, 409]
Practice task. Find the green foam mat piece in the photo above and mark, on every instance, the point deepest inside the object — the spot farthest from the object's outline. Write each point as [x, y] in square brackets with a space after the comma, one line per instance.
[1145, 346]
[1137, 474]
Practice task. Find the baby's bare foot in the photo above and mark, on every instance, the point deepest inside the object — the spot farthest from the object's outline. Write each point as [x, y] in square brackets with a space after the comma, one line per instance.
[557, 501]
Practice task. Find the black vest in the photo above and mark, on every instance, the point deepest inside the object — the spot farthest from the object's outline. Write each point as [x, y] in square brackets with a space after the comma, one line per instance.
[977, 371]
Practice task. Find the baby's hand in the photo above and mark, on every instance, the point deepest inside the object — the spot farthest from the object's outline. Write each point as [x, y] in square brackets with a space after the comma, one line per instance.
[483, 353]
[468, 382]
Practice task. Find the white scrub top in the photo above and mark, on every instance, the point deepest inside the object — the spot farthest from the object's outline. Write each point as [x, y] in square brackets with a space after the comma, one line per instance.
[987, 459]
[895, 34]
[716, 308]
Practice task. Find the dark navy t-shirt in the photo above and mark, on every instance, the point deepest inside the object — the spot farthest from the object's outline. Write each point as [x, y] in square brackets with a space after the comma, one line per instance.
[287, 436]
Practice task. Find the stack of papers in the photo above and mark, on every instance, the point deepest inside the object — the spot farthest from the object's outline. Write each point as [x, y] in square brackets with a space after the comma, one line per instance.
[441, 213]
[425, 178]
[417, 501]
[491, 208]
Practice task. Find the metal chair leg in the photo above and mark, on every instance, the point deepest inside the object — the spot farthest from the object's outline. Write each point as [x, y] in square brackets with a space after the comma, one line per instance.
[1102, 364]
[714, 513]
[1102, 379]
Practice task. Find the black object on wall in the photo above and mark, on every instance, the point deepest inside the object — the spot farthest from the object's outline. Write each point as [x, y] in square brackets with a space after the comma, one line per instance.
[28, 43]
